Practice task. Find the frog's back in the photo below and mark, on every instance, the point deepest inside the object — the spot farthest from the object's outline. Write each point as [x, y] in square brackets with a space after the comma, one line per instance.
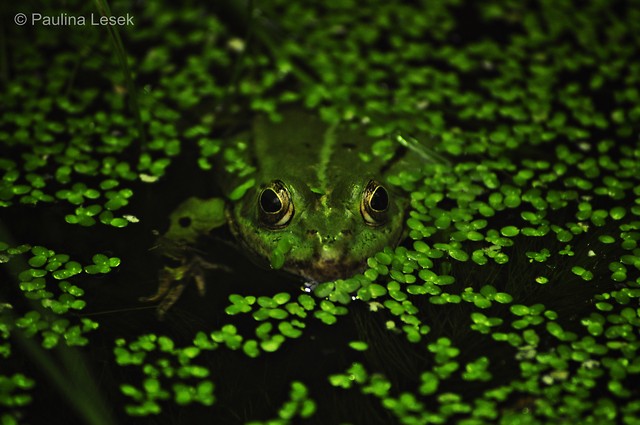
[298, 147]
[301, 145]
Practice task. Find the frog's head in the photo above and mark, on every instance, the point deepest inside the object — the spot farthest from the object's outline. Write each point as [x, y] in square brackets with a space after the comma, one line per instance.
[319, 234]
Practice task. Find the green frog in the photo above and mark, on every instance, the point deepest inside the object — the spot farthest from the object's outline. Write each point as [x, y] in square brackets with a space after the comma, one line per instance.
[300, 195]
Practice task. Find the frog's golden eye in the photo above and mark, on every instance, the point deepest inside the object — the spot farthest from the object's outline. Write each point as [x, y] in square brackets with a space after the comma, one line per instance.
[375, 203]
[275, 205]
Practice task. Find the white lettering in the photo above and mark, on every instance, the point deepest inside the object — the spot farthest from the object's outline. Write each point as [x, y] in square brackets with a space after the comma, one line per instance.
[64, 19]
[112, 20]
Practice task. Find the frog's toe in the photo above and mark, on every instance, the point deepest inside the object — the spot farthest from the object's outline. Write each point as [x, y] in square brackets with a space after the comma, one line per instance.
[169, 299]
[171, 283]
[213, 266]
[166, 279]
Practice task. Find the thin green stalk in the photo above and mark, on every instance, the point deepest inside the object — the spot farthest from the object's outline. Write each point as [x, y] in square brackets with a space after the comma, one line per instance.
[71, 378]
[103, 9]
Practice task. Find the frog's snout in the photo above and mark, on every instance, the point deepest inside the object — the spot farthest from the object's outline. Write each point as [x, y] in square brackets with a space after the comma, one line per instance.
[330, 247]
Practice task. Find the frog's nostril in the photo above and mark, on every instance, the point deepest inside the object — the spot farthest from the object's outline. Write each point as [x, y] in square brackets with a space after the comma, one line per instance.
[328, 239]
[184, 221]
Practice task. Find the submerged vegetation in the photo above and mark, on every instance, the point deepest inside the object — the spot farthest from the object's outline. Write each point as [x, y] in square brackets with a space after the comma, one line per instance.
[514, 298]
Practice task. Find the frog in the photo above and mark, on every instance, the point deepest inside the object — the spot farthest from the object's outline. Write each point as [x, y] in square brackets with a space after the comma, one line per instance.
[300, 195]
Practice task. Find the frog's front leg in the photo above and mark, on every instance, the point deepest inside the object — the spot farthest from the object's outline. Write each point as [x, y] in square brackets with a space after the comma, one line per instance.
[192, 219]
[173, 280]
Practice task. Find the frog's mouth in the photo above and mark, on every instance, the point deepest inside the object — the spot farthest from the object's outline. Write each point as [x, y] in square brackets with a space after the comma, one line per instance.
[324, 270]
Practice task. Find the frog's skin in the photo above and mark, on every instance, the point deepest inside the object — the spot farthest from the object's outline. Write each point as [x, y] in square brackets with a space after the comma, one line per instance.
[300, 195]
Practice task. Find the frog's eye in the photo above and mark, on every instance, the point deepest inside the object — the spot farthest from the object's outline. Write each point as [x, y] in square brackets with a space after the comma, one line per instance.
[375, 203]
[275, 205]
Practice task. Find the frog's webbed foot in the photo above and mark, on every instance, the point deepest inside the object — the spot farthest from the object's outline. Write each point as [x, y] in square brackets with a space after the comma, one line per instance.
[173, 280]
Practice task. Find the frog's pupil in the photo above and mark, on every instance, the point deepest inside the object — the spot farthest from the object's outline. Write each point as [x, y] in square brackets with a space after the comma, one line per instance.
[270, 202]
[380, 199]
